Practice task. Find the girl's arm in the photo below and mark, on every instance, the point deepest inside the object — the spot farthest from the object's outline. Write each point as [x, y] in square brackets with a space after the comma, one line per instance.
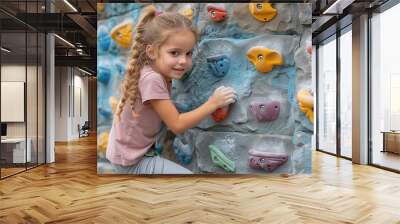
[178, 123]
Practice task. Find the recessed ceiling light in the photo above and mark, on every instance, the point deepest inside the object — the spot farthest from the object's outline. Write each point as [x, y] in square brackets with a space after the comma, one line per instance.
[5, 49]
[70, 5]
[84, 71]
[64, 40]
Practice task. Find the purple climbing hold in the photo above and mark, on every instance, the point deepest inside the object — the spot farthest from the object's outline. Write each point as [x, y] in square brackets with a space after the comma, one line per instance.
[267, 161]
[265, 111]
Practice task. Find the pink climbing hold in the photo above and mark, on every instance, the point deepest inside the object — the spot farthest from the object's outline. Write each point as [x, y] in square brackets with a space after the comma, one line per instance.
[267, 161]
[264, 111]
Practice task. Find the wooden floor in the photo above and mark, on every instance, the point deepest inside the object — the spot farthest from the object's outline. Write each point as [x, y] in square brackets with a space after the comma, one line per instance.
[387, 159]
[70, 191]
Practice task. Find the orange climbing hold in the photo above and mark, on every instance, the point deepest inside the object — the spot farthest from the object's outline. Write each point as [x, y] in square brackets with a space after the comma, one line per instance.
[264, 59]
[122, 34]
[100, 7]
[113, 103]
[102, 142]
[262, 11]
[306, 103]
[220, 114]
[188, 12]
[216, 13]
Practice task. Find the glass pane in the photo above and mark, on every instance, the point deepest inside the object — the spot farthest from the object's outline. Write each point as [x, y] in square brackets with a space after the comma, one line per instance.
[31, 97]
[327, 96]
[346, 94]
[41, 99]
[385, 89]
[13, 85]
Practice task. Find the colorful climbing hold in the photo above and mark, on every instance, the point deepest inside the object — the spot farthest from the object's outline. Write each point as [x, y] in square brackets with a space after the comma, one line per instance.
[265, 111]
[306, 103]
[183, 152]
[309, 50]
[102, 142]
[268, 161]
[219, 159]
[187, 11]
[262, 11]
[100, 7]
[220, 114]
[104, 74]
[122, 34]
[113, 103]
[264, 59]
[105, 112]
[216, 13]
[219, 65]
[103, 39]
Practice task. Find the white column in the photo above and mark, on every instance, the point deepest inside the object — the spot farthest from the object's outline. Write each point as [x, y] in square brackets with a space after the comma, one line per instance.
[50, 94]
[360, 90]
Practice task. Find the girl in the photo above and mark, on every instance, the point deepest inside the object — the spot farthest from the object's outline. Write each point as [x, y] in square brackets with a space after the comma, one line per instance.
[162, 51]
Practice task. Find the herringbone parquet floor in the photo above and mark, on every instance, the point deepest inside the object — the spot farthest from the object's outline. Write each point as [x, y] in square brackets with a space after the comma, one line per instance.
[70, 191]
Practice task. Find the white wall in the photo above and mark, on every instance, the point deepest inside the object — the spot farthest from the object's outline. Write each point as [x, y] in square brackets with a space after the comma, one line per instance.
[33, 126]
[70, 83]
[61, 103]
[16, 73]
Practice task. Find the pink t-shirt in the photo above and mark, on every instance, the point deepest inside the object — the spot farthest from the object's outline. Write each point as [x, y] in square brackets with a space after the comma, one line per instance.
[130, 138]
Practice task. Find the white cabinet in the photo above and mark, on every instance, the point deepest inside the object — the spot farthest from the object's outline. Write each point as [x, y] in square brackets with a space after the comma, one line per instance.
[17, 146]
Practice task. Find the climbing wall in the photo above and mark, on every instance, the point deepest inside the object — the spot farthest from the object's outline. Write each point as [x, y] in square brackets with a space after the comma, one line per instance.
[262, 50]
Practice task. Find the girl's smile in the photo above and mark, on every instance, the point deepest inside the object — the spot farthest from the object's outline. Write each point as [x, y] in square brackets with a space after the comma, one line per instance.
[174, 57]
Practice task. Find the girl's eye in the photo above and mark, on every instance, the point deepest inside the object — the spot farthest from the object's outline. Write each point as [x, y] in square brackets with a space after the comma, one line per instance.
[189, 53]
[174, 53]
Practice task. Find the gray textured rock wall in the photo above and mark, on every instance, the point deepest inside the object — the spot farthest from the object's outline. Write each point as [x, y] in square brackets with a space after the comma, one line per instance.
[227, 42]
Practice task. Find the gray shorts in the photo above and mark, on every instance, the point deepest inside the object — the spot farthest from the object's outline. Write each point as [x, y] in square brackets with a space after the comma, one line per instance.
[147, 165]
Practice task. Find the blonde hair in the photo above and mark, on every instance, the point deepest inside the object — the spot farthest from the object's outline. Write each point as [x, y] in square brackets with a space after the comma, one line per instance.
[151, 29]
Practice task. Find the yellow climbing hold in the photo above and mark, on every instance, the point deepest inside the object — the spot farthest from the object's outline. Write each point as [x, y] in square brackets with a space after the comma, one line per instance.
[100, 7]
[264, 59]
[113, 103]
[306, 103]
[102, 142]
[188, 12]
[262, 11]
[122, 34]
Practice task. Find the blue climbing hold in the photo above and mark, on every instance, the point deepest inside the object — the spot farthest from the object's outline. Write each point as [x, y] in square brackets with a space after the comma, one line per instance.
[219, 65]
[114, 49]
[183, 152]
[120, 68]
[105, 112]
[104, 75]
[103, 39]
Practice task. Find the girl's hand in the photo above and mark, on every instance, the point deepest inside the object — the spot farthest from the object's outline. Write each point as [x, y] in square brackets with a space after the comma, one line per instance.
[222, 96]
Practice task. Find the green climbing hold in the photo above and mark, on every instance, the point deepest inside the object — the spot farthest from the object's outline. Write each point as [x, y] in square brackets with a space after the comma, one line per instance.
[219, 159]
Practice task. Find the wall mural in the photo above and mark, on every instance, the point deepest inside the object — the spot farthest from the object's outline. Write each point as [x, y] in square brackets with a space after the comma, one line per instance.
[262, 50]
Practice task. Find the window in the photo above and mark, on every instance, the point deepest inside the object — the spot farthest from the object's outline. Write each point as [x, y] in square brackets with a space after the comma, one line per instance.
[346, 92]
[327, 96]
[385, 89]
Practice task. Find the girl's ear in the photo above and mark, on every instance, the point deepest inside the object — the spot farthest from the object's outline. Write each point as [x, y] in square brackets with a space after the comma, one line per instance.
[150, 51]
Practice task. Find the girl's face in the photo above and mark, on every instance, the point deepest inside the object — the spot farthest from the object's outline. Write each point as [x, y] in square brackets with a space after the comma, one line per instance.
[174, 57]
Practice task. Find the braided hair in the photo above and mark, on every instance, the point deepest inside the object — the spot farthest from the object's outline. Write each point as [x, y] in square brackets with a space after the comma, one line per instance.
[152, 29]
